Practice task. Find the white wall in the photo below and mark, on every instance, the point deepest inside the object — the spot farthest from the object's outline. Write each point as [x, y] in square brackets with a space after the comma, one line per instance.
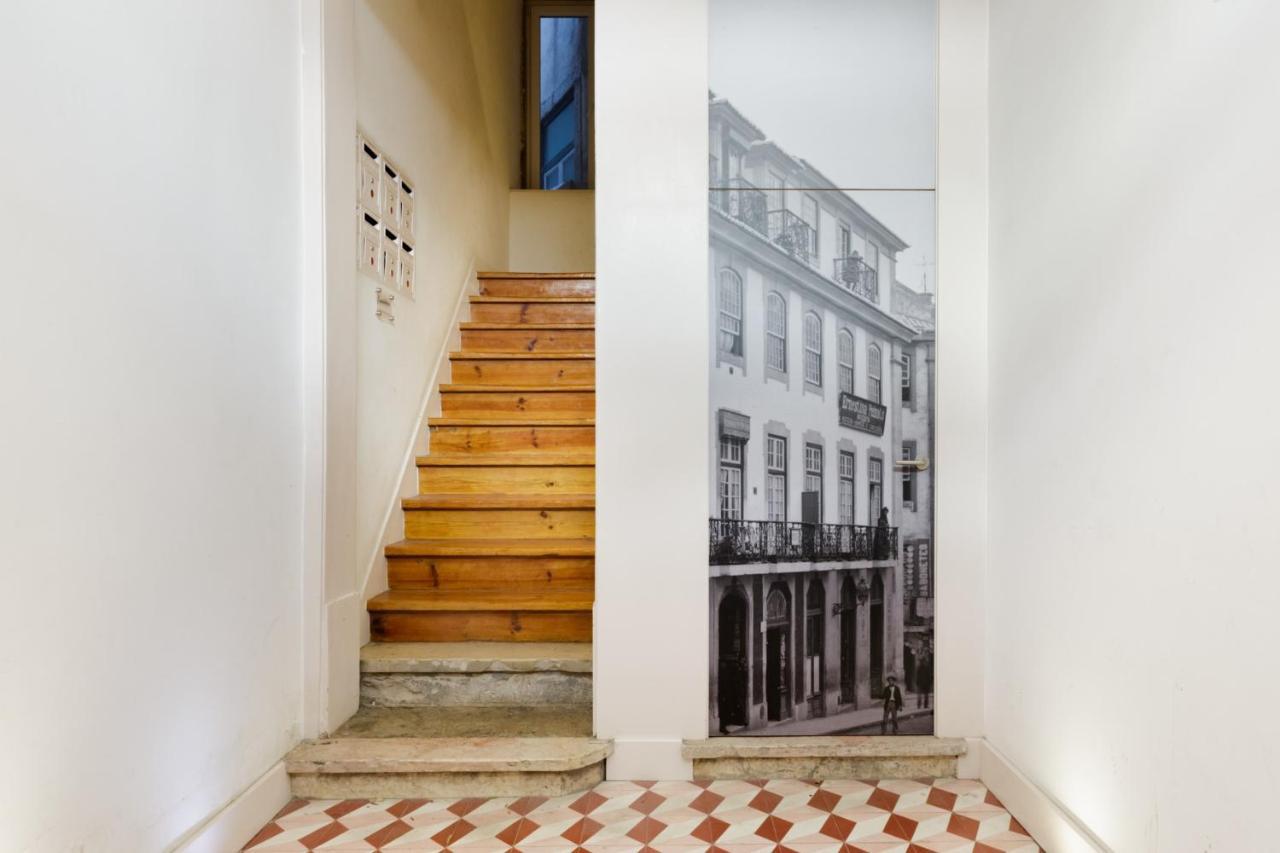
[421, 97]
[651, 402]
[151, 442]
[552, 231]
[1133, 466]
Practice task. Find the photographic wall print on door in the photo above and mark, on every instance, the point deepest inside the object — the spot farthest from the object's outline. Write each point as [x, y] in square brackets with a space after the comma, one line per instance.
[822, 294]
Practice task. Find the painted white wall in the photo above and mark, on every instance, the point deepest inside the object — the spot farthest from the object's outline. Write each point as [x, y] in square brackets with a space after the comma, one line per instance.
[421, 97]
[1133, 467]
[552, 231]
[151, 447]
[651, 401]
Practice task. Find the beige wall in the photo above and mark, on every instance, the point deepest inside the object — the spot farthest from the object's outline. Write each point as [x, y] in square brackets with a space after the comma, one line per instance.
[553, 230]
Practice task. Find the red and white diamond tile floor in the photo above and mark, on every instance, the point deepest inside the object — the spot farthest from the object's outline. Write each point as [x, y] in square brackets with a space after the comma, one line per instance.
[898, 816]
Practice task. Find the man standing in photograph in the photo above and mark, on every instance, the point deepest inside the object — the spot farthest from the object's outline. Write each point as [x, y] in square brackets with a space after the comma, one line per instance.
[892, 704]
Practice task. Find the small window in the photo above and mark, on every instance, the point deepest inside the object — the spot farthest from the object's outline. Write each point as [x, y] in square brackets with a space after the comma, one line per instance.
[813, 472]
[731, 453]
[873, 373]
[875, 488]
[845, 247]
[906, 377]
[559, 107]
[730, 298]
[776, 333]
[908, 477]
[845, 356]
[813, 349]
[776, 484]
[846, 487]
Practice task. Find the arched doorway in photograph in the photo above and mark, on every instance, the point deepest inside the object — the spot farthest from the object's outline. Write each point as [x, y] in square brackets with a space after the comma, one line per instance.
[877, 635]
[848, 641]
[815, 626]
[777, 673]
[731, 680]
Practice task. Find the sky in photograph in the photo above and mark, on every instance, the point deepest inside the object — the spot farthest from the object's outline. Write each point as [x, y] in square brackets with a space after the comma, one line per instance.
[849, 86]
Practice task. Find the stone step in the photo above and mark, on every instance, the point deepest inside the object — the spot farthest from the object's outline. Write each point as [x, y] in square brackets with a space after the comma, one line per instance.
[475, 674]
[469, 721]
[795, 757]
[402, 767]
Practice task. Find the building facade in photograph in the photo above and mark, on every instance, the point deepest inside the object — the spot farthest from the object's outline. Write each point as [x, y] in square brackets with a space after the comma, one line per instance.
[820, 538]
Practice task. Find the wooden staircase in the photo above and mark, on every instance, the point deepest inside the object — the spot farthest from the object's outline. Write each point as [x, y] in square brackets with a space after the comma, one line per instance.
[478, 677]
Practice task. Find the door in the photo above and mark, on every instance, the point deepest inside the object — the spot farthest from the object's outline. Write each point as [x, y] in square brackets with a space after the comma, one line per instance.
[732, 682]
[877, 635]
[777, 654]
[848, 643]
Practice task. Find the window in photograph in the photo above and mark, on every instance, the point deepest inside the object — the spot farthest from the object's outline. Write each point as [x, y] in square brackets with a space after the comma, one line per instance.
[846, 487]
[845, 356]
[873, 373]
[815, 602]
[560, 104]
[813, 474]
[731, 452]
[906, 378]
[875, 489]
[908, 477]
[776, 333]
[813, 349]
[776, 479]
[730, 313]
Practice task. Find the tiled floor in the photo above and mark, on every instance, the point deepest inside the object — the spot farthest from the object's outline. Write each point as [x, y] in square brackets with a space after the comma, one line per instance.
[899, 816]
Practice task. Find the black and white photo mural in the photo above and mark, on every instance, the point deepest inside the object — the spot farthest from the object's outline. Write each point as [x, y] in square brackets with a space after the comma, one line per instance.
[822, 290]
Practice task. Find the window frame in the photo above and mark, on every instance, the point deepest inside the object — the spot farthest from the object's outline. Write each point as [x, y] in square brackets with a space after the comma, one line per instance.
[814, 450]
[775, 474]
[908, 477]
[875, 488]
[770, 336]
[729, 464]
[843, 368]
[812, 351]
[848, 480]
[535, 11]
[731, 275]
[875, 373]
[906, 387]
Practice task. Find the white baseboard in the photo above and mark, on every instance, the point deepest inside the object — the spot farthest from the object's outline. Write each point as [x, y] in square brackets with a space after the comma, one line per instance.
[232, 826]
[647, 758]
[969, 765]
[1055, 828]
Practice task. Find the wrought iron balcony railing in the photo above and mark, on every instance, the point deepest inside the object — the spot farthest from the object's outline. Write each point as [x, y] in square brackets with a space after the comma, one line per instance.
[794, 236]
[734, 541]
[853, 274]
[745, 202]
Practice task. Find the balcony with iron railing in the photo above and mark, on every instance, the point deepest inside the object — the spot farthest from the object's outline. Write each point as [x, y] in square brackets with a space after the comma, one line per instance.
[853, 274]
[735, 541]
[794, 236]
[743, 201]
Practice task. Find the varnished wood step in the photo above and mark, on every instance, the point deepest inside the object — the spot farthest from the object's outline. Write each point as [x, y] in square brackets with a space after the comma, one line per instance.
[537, 286]
[511, 422]
[478, 501]
[476, 523]
[489, 572]
[515, 480]
[541, 401]
[457, 388]
[533, 310]
[540, 459]
[522, 368]
[488, 274]
[524, 327]
[525, 339]
[492, 548]
[454, 435]
[511, 598]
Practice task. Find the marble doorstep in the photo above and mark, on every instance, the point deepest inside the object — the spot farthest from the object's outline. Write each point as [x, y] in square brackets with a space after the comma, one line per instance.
[898, 757]
[446, 755]
[475, 657]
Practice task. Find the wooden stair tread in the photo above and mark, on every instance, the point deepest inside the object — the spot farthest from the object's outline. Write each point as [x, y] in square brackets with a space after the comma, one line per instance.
[475, 657]
[509, 598]
[481, 500]
[534, 275]
[510, 422]
[548, 459]
[492, 548]
[526, 327]
[460, 388]
[546, 300]
[489, 355]
[446, 755]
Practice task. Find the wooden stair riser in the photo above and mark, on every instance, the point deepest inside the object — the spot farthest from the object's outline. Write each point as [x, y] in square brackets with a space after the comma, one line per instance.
[534, 626]
[490, 572]
[550, 371]
[447, 689]
[507, 404]
[485, 439]
[528, 340]
[499, 523]
[511, 480]
[533, 312]
[537, 287]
